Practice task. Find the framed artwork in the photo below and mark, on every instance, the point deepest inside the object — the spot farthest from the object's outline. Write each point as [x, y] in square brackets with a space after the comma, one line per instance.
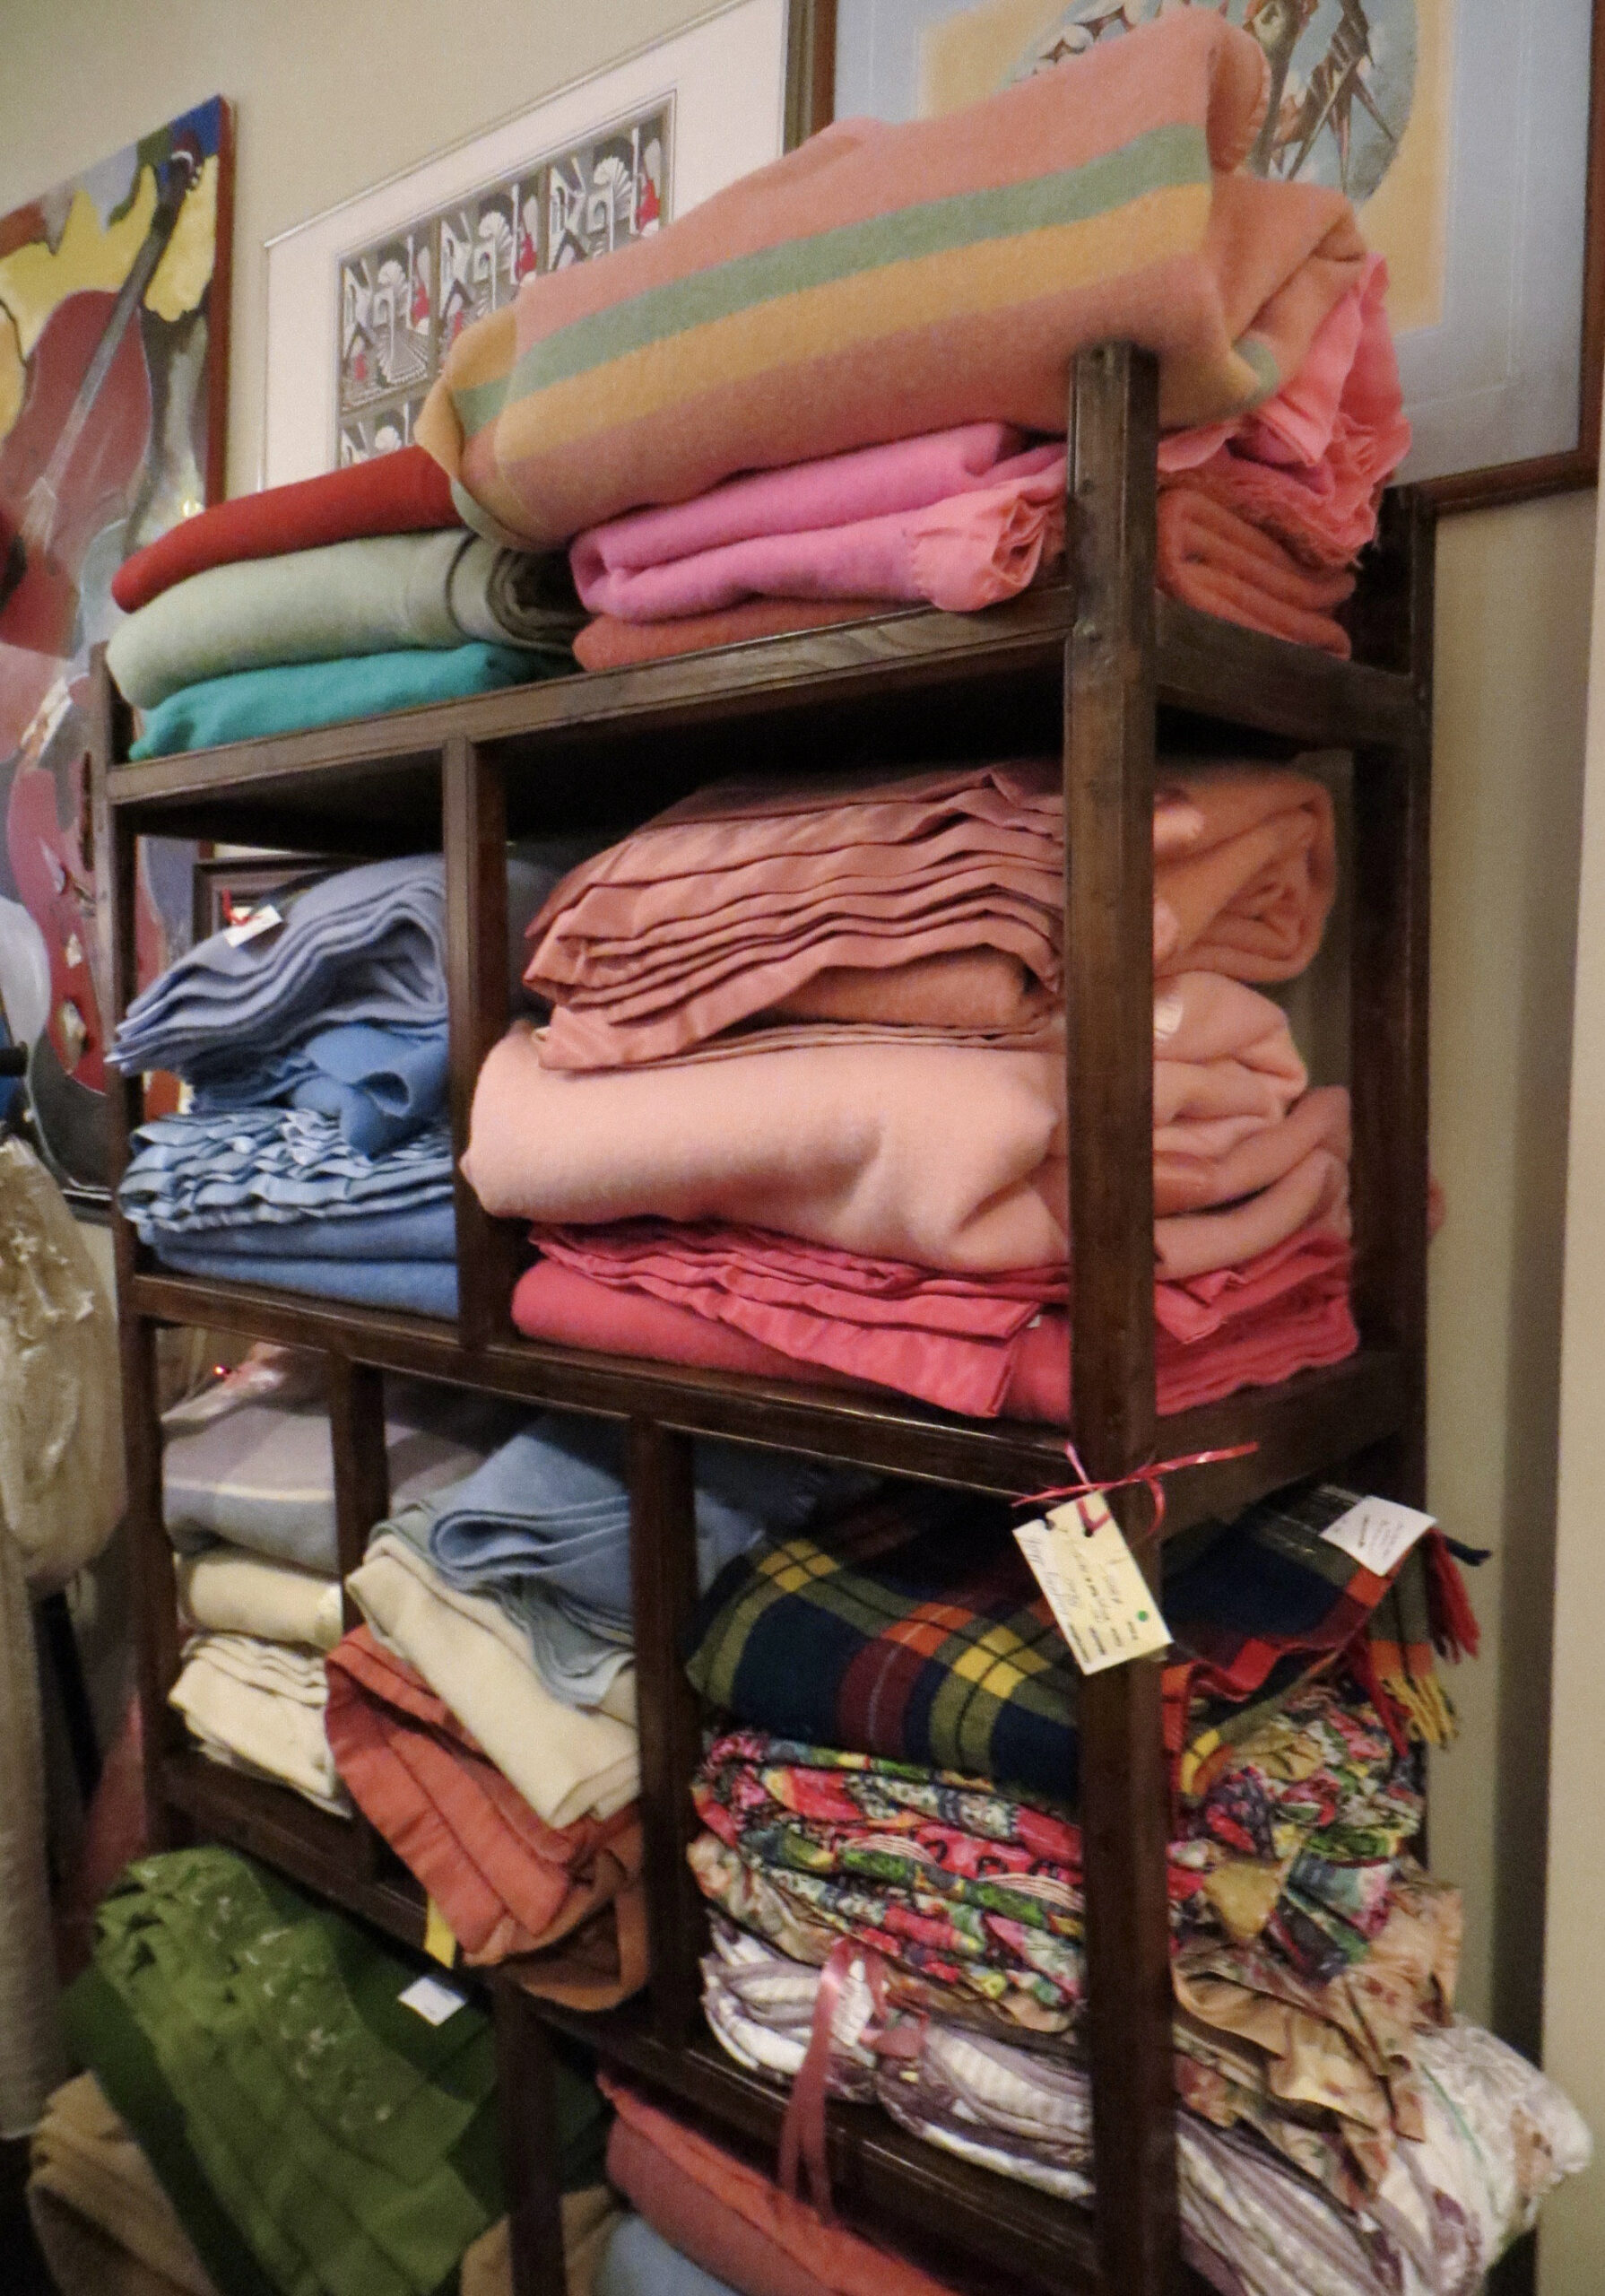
[114, 331]
[364, 302]
[1470, 134]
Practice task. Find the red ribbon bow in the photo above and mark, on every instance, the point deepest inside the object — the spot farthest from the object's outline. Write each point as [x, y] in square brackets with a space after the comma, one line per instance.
[1151, 1477]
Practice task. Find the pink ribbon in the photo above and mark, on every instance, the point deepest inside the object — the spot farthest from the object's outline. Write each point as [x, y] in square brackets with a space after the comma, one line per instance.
[803, 2134]
[1151, 1478]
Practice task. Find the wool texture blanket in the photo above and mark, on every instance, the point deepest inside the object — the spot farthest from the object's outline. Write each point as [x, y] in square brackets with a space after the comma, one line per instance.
[733, 900]
[609, 643]
[226, 1590]
[507, 1882]
[1210, 556]
[248, 705]
[378, 594]
[1251, 1327]
[400, 493]
[259, 1706]
[881, 282]
[103, 2222]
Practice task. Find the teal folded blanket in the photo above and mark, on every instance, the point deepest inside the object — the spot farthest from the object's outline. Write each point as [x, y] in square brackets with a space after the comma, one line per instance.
[251, 703]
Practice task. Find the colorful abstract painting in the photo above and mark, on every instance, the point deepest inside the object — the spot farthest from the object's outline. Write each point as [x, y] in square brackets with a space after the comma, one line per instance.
[114, 302]
[404, 298]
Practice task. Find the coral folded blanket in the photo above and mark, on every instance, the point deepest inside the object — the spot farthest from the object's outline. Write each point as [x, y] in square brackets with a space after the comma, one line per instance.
[507, 1882]
[733, 900]
[406, 492]
[833, 1143]
[962, 519]
[1287, 1311]
[1211, 557]
[609, 643]
[886, 281]
[378, 594]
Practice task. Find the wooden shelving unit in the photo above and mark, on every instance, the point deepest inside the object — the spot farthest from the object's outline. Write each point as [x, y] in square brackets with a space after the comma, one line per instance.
[1099, 670]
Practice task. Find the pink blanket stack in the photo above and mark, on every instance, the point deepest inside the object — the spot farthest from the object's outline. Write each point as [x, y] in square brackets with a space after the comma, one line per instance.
[801, 1101]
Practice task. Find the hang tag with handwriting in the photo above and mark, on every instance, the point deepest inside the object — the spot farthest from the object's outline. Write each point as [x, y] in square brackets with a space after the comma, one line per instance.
[1106, 1609]
[1379, 1533]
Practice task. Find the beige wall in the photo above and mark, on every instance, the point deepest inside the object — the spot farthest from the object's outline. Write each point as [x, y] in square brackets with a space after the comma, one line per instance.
[335, 95]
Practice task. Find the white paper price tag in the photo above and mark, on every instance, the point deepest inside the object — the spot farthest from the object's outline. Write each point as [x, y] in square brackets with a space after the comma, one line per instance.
[1106, 1608]
[1379, 1532]
[431, 2000]
[260, 920]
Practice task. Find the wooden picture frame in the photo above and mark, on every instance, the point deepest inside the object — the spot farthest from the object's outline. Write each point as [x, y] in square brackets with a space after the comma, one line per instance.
[813, 81]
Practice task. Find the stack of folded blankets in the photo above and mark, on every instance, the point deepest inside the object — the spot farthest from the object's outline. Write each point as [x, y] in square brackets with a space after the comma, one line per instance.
[266, 2111]
[800, 1107]
[483, 1716]
[336, 597]
[895, 1803]
[248, 1498]
[837, 383]
[314, 1153]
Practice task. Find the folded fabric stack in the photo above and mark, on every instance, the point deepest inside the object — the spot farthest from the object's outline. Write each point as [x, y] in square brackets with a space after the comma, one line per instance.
[267, 2113]
[770, 1002]
[315, 1154]
[483, 1718]
[895, 1794]
[337, 597]
[839, 382]
[248, 1495]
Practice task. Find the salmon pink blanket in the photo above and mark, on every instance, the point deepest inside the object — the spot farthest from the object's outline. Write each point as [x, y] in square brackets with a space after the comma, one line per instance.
[883, 281]
[951, 1156]
[731, 1300]
[961, 518]
[609, 643]
[506, 1882]
[732, 901]
[1211, 557]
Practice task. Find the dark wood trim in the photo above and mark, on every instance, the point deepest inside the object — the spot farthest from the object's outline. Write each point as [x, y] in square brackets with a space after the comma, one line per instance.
[810, 69]
[474, 814]
[219, 313]
[526, 2108]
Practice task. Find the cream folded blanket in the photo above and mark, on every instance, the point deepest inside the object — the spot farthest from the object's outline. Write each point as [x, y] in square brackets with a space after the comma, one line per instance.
[567, 1763]
[228, 1591]
[86, 2168]
[259, 1706]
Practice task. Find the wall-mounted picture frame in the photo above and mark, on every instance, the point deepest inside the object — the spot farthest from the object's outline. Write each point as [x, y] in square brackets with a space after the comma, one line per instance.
[1470, 134]
[363, 300]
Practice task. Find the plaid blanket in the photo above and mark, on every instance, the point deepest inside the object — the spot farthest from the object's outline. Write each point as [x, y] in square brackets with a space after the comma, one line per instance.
[918, 1635]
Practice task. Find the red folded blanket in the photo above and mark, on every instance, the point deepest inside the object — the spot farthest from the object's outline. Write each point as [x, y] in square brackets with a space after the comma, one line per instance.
[1213, 558]
[392, 494]
[506, 1882]
[741, 1300]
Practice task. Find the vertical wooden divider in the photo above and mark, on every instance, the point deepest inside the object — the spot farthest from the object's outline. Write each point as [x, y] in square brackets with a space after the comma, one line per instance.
[1108, 999]
[356, 1394]
[1388, 1057]
[474, 829]
[663, 1553]
[526, 2110]
[151, 1554]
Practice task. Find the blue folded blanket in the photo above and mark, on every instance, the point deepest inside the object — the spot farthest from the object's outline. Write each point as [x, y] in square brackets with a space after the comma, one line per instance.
[552, 1507]
[418, 1287]
[379, 1085]
[639, 2262]
[288, 699]
[274, 1167]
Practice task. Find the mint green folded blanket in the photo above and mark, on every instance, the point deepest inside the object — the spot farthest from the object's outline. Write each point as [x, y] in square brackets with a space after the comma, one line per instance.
[249, 702]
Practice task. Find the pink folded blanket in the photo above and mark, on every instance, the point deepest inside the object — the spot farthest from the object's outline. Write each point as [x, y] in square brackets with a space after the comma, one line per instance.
[731, 902]
[1309, 465]
[881, 282]
[962, 519]
[950, 1156]
[609, 643]
[1210, 556]
[744, 1301]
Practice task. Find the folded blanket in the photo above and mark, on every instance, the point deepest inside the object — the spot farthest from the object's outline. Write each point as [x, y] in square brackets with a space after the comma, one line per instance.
[552, 1507]
[412, 1287]
[934, 1645]
[736, 898]
[259, 1706]
[566, 1763]
[610, 644]
[102, 2219]
[286, 1167]
[379, 594]
[227, 1590]
[1212, 557]
[398, 493]
[837, 529]
[1309, 465]
[248, 704]
[309, 2127]
[883, 282]
[1287, 1311]
[732, 2220]
[639, 2262]
[250, 1461]
[379, 1085]
[506, 1882]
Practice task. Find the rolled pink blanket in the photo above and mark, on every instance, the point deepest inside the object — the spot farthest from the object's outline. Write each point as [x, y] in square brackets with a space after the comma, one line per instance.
[1213, 556]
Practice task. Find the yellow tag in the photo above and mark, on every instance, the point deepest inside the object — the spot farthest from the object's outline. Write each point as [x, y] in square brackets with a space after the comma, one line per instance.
[437, 1940]
[1105, 1607]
